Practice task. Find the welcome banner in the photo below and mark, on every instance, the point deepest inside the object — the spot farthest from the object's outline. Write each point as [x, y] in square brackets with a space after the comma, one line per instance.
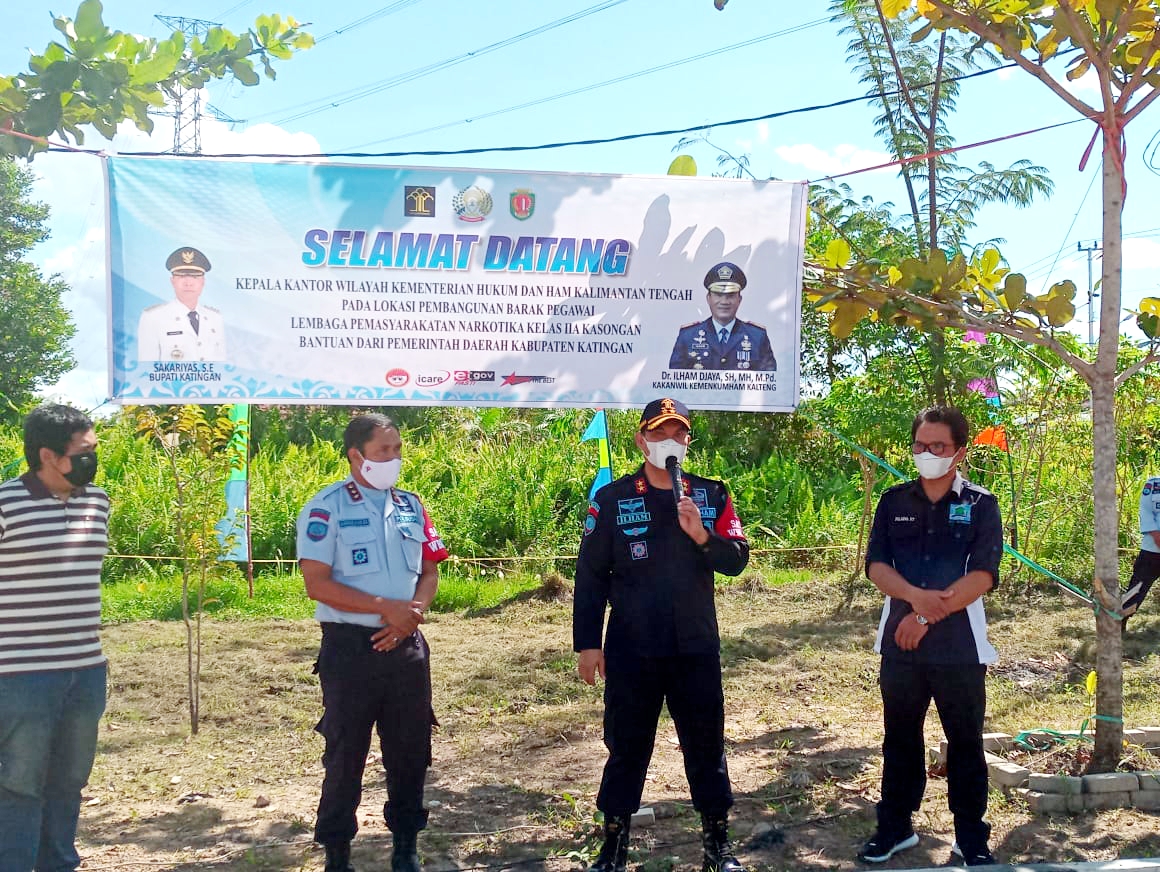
[294, 282]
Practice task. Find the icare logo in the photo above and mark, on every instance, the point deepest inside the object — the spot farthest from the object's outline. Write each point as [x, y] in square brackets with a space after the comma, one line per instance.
[396, 378]
[432, 379]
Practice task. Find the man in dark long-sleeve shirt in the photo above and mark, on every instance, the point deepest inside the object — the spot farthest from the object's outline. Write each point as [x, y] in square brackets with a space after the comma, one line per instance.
[652, 560]
[934, 551]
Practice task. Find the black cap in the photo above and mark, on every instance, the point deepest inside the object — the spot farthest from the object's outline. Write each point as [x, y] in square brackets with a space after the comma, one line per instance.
[725, 278]
[659, 411]
[187, 260]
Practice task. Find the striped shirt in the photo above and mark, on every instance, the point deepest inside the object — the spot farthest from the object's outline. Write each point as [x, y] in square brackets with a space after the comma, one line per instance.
[50, 576]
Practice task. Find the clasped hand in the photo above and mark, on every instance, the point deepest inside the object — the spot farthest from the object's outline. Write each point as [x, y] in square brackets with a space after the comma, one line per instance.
[400, 619]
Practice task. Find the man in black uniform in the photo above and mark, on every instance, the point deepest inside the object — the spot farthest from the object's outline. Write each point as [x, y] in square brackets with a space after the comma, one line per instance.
[934, 551]
[652, 560]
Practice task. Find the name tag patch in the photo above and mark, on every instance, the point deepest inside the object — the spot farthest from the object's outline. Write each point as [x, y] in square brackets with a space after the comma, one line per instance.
[355, 522]
[631, 512]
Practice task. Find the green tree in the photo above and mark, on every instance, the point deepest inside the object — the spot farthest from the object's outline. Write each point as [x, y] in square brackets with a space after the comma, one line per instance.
[35, 328]
[202, 446]
[915, 82]
[97, 77]
[1117, 41]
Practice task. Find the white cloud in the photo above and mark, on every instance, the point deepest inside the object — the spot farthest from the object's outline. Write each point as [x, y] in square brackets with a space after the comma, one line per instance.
[73, 187]
[842, 158]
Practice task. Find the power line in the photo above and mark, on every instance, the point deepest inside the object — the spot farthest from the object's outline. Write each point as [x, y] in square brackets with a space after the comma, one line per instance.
[390, 9]
[341, 98]
[222, 15]
[1067, 235]
[586, 88]
[520, 148]
[58, 147]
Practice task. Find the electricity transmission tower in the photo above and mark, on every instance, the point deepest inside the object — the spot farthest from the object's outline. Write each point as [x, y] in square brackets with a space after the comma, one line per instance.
[187, 110]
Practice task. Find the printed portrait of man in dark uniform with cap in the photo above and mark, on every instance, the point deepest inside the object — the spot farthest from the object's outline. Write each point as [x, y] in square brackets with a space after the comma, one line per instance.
[723, 341]
[183, 328]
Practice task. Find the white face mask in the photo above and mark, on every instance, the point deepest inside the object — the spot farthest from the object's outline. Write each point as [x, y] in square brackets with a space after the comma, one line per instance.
[932, 466]
[381, 474]
[659, 452]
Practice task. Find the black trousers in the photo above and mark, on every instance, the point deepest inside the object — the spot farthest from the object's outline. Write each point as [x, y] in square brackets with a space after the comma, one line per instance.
[391, 692]
[960, 696]
[634, 690]
[1145, 571]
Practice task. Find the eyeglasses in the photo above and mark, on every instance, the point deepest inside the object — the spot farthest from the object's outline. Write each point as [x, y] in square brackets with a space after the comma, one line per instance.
[932, 447]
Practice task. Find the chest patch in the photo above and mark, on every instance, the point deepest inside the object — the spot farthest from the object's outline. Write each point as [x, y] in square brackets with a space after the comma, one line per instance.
[959, 513]
[631, 512]
[638, 550]
[359, 557]
[635, 531]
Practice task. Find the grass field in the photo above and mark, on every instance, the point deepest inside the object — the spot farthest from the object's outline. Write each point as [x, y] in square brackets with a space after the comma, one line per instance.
[518, 756]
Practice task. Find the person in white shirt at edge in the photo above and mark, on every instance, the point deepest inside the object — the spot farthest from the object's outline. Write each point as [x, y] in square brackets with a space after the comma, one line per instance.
[183, 328]
[1146, 568]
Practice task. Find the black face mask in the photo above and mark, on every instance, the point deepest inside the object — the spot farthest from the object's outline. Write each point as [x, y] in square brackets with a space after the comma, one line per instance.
[84, 468]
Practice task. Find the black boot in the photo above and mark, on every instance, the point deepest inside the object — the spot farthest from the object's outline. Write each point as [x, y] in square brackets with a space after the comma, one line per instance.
[338, 857]
[406, 854]
[718, 851]
[613, 856]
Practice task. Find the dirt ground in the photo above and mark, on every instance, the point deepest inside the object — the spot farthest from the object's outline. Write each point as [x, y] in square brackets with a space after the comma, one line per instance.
[518, 757]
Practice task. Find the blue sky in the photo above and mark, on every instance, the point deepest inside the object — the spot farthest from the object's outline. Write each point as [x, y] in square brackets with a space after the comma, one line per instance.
[413, 75]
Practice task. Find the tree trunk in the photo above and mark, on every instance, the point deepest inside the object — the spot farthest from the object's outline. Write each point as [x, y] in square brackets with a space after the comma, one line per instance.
[1109, 643]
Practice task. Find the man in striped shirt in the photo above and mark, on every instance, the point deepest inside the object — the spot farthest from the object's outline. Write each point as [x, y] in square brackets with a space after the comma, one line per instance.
[53, 538]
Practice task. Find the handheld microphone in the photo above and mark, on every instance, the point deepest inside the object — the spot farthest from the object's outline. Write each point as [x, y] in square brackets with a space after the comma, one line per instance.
[674, 467]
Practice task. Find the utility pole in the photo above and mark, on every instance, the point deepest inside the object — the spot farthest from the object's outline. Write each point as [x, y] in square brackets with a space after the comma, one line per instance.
[186, 112]
[1091, 248]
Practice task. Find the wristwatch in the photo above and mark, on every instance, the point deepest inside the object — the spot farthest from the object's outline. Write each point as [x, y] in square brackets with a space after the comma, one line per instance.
[920, 619]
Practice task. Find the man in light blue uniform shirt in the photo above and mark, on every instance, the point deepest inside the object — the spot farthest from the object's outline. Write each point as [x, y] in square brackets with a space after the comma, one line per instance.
[369, 556]
[1146, 569]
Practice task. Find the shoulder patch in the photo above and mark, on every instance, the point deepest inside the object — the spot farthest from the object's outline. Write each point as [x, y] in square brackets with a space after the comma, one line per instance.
[640, 485]
[353, 492]
[760, 327]
[691, 324]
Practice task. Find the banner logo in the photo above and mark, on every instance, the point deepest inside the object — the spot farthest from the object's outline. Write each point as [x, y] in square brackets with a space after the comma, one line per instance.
[474, 376]
[396, 378]
[472, 204]
[419, 201]
[514, 379]
[522, 204]
[431, 379]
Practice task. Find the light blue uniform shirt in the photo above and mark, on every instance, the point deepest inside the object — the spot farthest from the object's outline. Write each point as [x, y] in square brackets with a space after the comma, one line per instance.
[372, 540]
[1150, 515]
